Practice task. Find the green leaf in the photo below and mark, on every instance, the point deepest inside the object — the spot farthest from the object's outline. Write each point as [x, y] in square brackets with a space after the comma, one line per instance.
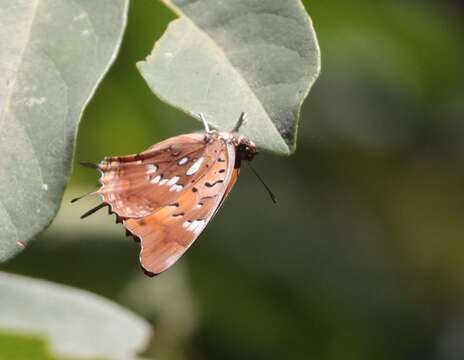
[76, 323]
[54, 53]
[225, 57]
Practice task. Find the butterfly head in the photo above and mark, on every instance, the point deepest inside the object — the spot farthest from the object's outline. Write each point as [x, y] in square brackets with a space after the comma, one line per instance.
[246, 149]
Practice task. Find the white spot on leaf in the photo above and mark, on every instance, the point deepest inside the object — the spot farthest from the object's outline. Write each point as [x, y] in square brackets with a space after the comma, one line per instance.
[35, 101]
[79, 17]
[45, 187]
[21, 244]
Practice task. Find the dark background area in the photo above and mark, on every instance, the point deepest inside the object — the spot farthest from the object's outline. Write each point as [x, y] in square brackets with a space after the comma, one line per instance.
[363, 257]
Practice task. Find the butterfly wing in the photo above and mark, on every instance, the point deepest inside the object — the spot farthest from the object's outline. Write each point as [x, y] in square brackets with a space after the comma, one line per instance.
[166, 234]
[140, 184]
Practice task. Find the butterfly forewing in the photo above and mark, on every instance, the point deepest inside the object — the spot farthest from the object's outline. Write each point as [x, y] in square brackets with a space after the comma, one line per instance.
[138, 185]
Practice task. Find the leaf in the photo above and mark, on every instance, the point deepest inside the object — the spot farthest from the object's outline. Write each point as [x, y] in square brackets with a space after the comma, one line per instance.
[54, 53]
[76, 323]
[225, 57]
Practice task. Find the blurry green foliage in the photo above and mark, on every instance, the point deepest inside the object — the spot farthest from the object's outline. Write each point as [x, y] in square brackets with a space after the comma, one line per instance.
[20, 347]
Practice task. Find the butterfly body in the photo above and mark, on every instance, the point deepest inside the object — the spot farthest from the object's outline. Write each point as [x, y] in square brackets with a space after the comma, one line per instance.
[166, 195]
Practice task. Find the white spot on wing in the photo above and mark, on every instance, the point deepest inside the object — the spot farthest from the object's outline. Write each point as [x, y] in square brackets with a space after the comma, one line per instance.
[173, 180]
[164, 181]
[196, 226]
[152, 169]
[192, 225]
[200, 227]
[156, 180]
[195, 167]
[176, 188]
[183, 161]
[186, 224]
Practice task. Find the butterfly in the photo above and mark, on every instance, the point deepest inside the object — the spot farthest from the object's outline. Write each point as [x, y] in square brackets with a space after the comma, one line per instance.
[166, 195]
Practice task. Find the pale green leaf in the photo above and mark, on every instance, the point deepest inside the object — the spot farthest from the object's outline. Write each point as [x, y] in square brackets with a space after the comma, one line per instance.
[53, 54]
[225, 57]
[74, 322]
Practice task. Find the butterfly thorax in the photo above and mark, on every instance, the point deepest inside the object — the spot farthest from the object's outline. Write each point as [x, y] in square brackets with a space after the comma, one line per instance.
[245, 148]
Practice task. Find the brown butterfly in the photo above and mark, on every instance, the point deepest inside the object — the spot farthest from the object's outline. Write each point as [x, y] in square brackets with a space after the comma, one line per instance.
[166, 195]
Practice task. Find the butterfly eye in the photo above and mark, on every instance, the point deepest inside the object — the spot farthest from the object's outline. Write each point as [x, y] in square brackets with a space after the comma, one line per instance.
[245, 152]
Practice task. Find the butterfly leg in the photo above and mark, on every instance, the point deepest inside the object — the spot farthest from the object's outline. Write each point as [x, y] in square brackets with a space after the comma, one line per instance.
[242, 120]
[89, 165]
[95, 209]
[82, 196]
[205, 123]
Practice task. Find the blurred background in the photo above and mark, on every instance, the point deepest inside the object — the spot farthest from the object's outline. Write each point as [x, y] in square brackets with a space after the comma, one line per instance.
[363, 256]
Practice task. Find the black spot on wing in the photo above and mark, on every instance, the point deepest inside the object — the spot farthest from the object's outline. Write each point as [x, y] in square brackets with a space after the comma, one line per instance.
[208, 184]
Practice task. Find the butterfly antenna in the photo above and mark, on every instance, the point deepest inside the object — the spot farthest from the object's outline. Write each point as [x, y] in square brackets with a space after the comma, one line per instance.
[271, 194]
[242, 120]
[95, 209]
[205, 123]
[89, 165]
[81, 197]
